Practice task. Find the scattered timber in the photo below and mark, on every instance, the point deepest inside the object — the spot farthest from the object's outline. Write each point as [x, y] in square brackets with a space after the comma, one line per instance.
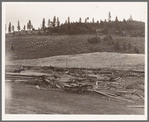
[111, 96]
[136, 106]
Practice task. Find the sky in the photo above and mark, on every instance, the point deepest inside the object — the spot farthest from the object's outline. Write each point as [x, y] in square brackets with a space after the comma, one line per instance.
[36, 11]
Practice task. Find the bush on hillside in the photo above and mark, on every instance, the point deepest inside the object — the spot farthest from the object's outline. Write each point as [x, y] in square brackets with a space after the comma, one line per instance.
[108, 38]
[124, 46]
[136, 50]
[12, 48]
[39, 33]
[110, 42]
[129, 45]
[116, 46]
[94, 40]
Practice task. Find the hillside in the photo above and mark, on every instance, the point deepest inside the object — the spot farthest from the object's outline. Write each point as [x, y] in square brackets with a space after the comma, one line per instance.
[90, 60]
[33, 46]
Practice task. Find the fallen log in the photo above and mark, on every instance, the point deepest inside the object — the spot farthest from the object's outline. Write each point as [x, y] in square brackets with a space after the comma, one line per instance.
[111, 96]
[107, 93]
[16, 80]
[30, 74]
[136, 106]
[139, 95]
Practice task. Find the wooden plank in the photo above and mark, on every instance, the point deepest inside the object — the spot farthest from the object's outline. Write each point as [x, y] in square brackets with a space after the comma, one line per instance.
[140, 95]
[27, 74]
[16, 80]
[135, 106]
[112, 96]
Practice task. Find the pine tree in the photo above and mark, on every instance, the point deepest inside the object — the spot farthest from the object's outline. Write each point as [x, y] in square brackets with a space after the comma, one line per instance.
[124, 21]
[69, 25]
[116, 23]
[13, 28]
[58, 22]
[49, 23]
[9, 28]
[130, 19]
[93, 20]
[68, 20]
[30, 24]
[24, 27]
[54, 22]
[109, 17]
[85, 20]
[43, 24]
[27, 26]
[80, 20]
[18, 26]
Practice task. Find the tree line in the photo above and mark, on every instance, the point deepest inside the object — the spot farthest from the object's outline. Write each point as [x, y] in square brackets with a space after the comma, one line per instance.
[106, 26]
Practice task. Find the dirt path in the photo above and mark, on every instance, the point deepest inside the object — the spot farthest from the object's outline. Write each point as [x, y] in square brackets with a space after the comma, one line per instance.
[26, 99]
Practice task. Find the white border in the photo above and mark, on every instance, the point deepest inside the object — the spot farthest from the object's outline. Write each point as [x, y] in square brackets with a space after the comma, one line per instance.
[67, 117]
[3, 59]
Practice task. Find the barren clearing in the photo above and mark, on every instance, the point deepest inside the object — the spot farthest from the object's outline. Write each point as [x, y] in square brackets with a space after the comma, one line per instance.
[26, 99]
[89, 60]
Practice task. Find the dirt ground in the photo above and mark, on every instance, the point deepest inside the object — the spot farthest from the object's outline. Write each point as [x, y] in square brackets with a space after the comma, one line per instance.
[22, 98]
[26, 99]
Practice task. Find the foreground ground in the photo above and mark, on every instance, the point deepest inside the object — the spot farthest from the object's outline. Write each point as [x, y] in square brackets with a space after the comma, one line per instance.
[26, 99]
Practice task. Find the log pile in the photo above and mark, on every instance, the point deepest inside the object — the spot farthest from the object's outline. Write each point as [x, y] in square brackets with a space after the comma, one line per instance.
[78, 80]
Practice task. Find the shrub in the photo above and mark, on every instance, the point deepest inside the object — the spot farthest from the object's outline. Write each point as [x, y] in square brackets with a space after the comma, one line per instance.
[108, 38]
[94, 40]
[12, 48]
[116, 46]
[136, 50]
[110, 42]
[129, 45]
[124, 46]
[39, 33]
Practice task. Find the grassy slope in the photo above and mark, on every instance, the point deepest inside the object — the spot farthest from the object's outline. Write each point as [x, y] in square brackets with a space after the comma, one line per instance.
[32, 47]
[91, 60]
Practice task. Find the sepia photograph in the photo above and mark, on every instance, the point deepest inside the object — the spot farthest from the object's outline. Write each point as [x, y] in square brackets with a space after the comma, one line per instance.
[74, 61]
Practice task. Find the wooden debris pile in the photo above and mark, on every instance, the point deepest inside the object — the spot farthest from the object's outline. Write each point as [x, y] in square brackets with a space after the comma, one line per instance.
[108, 83]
